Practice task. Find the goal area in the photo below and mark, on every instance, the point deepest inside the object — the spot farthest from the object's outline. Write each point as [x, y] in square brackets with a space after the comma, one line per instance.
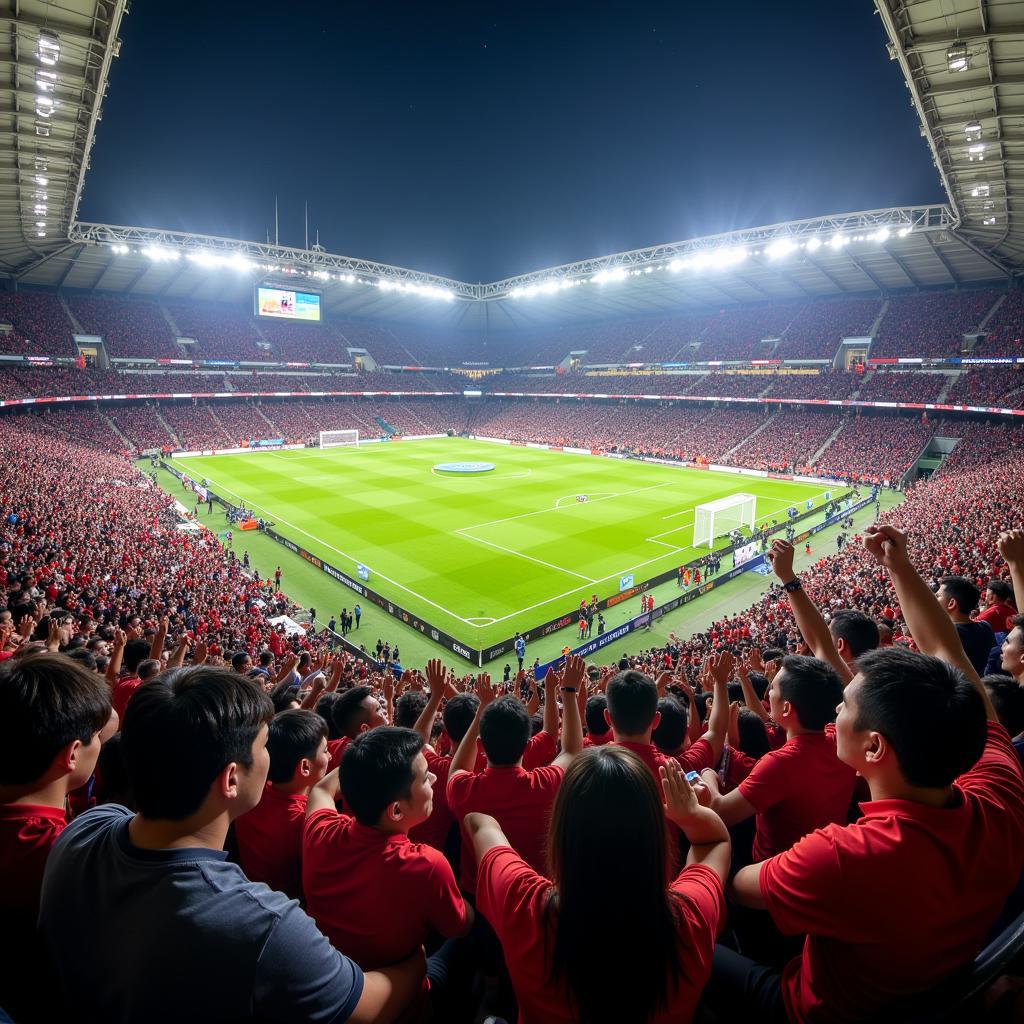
[339, 438]
[719, 518]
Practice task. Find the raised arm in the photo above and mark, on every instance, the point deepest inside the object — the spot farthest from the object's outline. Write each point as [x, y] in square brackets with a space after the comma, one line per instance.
[571, 682]
[484, 833]
[465, 756]
[750, 697]
[708, 836]
[156, 648]
[551, 684]
[812, 626]
[720, 667]
[437, 680]
[1011, 547]
[324, 795]
[932, 629]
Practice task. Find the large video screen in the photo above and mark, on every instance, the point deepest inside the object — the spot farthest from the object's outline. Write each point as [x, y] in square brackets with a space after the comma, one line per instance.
[283, 304]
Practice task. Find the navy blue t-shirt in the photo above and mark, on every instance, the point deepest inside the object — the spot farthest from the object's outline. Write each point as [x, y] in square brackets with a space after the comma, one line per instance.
[977, 639]
[181, 935]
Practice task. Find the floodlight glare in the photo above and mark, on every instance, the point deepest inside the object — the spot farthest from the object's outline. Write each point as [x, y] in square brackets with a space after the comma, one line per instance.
[48, 48]
[881, 235]
[780, 248]
[838, 241]
[609, 275]
[980, 191]
[813, 244]
[976, 152]
[158, 253]
[972, 130]
[903, 232]
[958, 57]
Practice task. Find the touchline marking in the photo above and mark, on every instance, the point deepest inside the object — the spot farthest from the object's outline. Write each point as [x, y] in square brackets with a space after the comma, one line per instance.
[520, 554]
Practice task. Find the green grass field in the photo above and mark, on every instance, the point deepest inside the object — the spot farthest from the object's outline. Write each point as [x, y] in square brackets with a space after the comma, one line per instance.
[482, 556]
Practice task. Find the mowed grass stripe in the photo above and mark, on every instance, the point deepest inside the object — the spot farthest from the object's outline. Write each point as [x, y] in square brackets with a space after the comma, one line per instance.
[383, 506]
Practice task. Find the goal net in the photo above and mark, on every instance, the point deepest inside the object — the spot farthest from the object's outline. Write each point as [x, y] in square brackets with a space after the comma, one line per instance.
[719, 518]
[339, 438]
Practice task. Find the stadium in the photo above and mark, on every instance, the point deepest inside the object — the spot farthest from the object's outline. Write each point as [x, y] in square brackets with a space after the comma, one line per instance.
[646, 508]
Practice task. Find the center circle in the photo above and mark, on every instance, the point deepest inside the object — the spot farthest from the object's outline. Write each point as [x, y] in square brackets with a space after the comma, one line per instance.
[464, 467]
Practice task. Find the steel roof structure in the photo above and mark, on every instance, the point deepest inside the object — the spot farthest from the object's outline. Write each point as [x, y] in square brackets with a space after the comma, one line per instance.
[59, 59]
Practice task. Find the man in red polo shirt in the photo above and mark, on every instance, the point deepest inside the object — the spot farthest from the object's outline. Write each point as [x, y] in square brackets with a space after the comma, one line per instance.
[521, 800]
[999, 609]
[373, 892]
[355, 711]
[897, 902]
[269, 836]
[54, 715]
[802, 785]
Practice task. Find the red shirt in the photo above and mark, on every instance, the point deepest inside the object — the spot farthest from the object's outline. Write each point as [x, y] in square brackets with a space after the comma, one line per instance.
[694, 759]
[27, 831]
[513, 897]
[270, 841]
[434, 831]
[521, 800]
[998, 617]
[123, 690]
[598, 739]
[374, 894]
[894, 903]
[799, 787]
[335, 748]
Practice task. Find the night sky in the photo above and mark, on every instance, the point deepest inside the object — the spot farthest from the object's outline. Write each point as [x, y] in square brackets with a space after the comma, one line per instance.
[480, 140]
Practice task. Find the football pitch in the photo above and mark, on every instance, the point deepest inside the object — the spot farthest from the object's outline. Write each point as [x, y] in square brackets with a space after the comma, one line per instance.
[482, 556]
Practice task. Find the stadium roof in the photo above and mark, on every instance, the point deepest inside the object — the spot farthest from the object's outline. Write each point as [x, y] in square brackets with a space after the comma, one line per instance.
[963, 61]
[57, 56]
[59, 91]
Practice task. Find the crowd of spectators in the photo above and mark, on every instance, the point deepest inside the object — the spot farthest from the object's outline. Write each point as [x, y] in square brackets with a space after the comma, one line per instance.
[787, 443]
[142, 425]
[40, 325]
[129, 327]
[895, 386]
[1004, 333]
[875, 448]
[409, 845]
[830, 384]
[818, 329]
[931, 323]
[991, 386]
[223, 332]
[196, 425]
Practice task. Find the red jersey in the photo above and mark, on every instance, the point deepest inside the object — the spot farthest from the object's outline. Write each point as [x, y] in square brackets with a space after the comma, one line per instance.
[799, 787]
[896, 902]
[123, 690]
[998, 617]
[521, 800]
[434, 831]
[598, 739]
[376, 895]
[335, 748]
[270, 841]
[513, 897]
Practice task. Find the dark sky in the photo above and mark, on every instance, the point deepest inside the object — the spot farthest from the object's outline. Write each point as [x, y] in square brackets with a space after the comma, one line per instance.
[481, 140]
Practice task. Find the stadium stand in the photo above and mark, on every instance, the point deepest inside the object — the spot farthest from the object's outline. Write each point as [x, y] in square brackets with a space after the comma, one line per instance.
[988, 387]
[40, 325]
[787, 443]
[892, 386]
[128, 327]
[222, 332]
[931, 323]
[1005, 331]
[874, 448]
[820, 326]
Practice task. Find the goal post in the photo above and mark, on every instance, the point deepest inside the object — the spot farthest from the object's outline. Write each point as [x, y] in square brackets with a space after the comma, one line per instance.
[339, 438]
[719, 518]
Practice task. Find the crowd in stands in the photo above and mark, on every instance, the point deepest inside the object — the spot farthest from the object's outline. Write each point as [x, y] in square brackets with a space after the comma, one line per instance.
[818, 329]
[733, 385]
[875, 447]
[830, 384]
[787, 443]
[128, 327]
[221, 331]
[989, 387]
[931, 323]
[1004, 333]
[196, 425]
[203, 819]
[893, 386]
[40, 325]
[142, 425]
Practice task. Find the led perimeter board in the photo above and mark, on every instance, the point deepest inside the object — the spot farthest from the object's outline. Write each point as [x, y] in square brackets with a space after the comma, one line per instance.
[284, 304]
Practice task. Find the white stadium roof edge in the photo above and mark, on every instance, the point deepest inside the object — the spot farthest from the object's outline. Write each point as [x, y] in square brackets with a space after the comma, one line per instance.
[963, 63]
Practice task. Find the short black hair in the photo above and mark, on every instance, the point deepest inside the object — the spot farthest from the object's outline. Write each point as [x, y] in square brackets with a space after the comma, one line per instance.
[593, 712]
[147, 668]
[325, 708]
[181, 729]
[293, 735]
[83, 656]
[1000, 588]
[860, 631]
[670, 731]
[760, 682]
[963, 591]
[409, 707]
[772, 654]
[928, 710]
[376, 770]
[135, 651]
[753, 734]
[348, 710]
[632, 702]
[114, 784]
[813, 687]
[1007, 696]
[239, 658]
[46, 702]
[458, 715]
[505, 730]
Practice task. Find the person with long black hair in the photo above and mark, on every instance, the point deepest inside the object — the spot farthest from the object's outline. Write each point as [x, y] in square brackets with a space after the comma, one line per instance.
[609, 888]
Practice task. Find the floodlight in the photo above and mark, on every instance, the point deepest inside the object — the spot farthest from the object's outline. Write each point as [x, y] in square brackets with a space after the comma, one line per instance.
[48, 48]
[39, 208]
[46, 80]
[976, 152]
[610, 274]
[40, 223]
[813, 244]
[41, 234]
[980, 191]
[903, 232]
[837, 241]
[989, 221]
[972, 130]
[40, 180]
[958, 57]
[158, 253]
[779, 248]
[881, 235]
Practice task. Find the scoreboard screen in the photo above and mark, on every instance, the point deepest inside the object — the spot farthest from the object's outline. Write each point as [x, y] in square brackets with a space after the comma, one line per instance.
[284, 304]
